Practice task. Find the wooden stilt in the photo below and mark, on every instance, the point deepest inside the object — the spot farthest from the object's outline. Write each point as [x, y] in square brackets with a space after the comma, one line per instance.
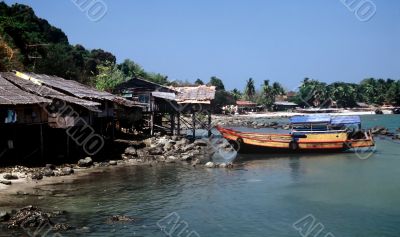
[178, 124]
[68, 148]
[172, 118]
[194, 123]
[209, 123]
[152, 124]
[41, 142]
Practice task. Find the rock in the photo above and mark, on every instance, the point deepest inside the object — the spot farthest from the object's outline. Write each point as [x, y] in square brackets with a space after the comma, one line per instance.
[4, 216]
[186, 158]
[131, 151]
[188, 147]
[10, 177]
[84, 229]
[28, 217]
[169, 145]
[61, 227]
[200, 142]
[118, 218]
[113, 162]
[50, 166]
[171, 159]
[87, 162]
[378, 129]
[222, 165]
[37, 176]
[48, 172]
[5, 182]
[67, 171]
[156, 151]
[210, 165]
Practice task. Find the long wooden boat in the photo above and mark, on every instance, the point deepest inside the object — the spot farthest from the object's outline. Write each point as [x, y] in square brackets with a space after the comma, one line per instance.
[308, 133]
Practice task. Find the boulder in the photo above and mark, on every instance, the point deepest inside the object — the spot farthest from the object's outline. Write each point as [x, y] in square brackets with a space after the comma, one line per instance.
[169, 145]
[4, 216]
[156, 151]
[87, 162]
[201, 142]
[131, 151]
[67, 171]
[61, 227]
[210, 165]
[5, 182]
[222, 165]
[113, 162]
[119, 218]
[50, 166]
[48, 172]
[10, 177]
[37, 176]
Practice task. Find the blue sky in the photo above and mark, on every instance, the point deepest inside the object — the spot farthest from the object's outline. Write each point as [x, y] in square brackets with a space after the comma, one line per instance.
[280, 40]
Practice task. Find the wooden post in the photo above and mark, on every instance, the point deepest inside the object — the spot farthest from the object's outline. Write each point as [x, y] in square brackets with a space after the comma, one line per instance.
[194, 123]
[209, 123]
[41, 142]
[68, 147]
[172, 118]
[178, 124]
[152, 124]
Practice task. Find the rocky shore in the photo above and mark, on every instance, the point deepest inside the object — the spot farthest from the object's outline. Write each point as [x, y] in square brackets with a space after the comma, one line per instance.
[163, 149]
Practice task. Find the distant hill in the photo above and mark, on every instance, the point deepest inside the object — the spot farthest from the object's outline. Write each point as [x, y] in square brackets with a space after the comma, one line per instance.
[30, 43]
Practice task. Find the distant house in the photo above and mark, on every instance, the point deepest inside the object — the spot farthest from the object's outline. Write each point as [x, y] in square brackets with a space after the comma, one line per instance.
[166, 106]
[284, 106]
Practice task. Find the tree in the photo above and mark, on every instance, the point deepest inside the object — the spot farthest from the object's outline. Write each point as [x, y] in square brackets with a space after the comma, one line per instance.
[215, 81]
[250, 89]
[278, 89]
[343, 93]
[268, 94]
[131, 69]
[313, 93]
[109, 77]
[393, 94]
[237, 95]
[199, 82]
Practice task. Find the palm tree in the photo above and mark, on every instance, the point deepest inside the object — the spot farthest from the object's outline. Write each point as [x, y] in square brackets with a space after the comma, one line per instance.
[250, 90]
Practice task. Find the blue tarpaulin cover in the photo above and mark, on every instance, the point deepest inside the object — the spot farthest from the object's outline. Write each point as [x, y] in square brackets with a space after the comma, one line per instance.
[311, 119]
[325, 119]
[346, 120]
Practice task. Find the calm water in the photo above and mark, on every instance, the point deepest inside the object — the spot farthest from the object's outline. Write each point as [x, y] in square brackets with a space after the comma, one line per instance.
[351, 197]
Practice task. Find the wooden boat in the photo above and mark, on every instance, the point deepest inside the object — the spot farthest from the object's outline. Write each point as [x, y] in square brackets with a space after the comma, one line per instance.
[308, 133]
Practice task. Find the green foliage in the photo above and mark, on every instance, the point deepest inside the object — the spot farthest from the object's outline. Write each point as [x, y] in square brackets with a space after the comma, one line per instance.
[237, 95]
[250, 90]
[109, 77]
[313, 93]
[199, 82]
[215, 81]
[223, 98]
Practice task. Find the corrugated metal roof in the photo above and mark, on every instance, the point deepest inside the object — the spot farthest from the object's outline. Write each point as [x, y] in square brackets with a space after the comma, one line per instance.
[164, 95]
[286, 103]
[12, 95]
[346, 120]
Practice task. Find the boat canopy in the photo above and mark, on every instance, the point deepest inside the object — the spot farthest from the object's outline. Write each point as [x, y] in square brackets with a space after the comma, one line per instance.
[326, 119]
[310, 119]
[345, 120]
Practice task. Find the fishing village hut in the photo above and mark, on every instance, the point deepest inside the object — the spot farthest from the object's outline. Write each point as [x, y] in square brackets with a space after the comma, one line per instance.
[284, 106]
[167, 108]
[75, 112]
[21, 116]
